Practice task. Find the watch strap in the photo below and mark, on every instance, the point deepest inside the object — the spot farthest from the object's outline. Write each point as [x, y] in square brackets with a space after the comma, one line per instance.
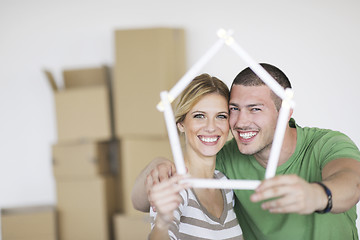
[329, 197]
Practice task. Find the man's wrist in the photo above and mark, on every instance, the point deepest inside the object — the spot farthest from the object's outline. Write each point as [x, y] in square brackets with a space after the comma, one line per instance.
[329, 199]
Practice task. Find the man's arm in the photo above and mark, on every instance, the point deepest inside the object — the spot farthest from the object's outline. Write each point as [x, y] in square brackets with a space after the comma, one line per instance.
[157, 170]
[342, 177]
[295, 195]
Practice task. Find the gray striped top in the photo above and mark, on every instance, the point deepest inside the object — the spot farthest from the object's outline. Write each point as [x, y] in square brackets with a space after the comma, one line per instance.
[193, 221]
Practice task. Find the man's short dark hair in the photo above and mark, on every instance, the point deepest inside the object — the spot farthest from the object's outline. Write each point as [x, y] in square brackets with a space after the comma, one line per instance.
[248, 78]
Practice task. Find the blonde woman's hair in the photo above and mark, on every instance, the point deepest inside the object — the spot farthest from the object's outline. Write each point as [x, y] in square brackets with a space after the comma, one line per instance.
[199, 87]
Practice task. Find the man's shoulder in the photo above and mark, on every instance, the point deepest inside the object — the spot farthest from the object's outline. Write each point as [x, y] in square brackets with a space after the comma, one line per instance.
[329, 143]
[315, 134]
[323, 134]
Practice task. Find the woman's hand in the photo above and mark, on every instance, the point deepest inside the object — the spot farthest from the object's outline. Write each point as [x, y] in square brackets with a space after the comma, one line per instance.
[165, 198]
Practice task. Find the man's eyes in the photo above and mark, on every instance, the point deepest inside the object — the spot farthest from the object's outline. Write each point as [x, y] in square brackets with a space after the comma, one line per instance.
[255, 109]
[251, 109]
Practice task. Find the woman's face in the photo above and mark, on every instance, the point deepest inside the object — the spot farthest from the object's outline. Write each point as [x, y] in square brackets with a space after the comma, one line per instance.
[206, 126]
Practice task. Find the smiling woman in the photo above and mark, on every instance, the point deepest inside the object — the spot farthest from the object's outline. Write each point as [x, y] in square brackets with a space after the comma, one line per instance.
[202, 118]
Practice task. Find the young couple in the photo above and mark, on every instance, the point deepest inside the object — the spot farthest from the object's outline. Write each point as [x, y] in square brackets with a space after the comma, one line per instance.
[313, 195]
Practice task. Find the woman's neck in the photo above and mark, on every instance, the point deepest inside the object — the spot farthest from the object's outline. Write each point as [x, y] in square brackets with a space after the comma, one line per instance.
[200, 167]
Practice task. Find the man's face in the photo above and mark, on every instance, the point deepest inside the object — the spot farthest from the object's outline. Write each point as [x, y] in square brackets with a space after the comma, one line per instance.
[253, 118]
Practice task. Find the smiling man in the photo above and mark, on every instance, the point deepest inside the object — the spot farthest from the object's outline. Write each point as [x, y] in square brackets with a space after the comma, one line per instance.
[317, 182]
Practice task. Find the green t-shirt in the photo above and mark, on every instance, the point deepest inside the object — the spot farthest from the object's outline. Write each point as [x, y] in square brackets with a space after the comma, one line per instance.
[314, 149]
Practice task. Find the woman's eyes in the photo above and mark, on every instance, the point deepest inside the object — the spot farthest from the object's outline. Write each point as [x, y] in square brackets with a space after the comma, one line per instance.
[223, 116]
[199, 116]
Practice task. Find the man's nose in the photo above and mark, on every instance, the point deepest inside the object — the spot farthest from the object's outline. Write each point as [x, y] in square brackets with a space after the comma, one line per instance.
[243, 119]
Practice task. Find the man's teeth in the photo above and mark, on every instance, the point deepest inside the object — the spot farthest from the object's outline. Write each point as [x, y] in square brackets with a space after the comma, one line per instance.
[208, 139]
[247, 135]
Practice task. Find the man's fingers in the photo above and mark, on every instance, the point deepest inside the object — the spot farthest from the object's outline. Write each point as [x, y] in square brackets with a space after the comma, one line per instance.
[163, 171]
[277, 187]
[172, 170]
[286, 203]
[268, 193]
[285, 194]
[277, 181]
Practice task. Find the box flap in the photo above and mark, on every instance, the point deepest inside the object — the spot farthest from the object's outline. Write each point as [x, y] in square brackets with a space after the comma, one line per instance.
[51, 80]
[84, 77]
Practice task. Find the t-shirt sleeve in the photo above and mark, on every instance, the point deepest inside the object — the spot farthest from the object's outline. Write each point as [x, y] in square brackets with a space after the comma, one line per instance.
[336, 145]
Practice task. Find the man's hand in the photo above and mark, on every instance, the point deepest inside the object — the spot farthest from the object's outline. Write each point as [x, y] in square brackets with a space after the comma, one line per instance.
[157, 170]
[290, 194]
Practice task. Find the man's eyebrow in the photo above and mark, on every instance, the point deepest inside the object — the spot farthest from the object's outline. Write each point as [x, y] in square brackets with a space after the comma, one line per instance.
[255, 105]
[249, 105]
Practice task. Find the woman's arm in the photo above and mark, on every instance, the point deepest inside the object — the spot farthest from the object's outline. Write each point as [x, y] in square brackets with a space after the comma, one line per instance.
[166, 199]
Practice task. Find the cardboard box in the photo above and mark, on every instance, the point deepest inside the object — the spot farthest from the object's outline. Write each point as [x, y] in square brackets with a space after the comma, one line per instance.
[131, 227]
[135, 154]
[147, 62]
[27, 223]
[84, 159]
[83, 113]
[85, 208]
[97, 76]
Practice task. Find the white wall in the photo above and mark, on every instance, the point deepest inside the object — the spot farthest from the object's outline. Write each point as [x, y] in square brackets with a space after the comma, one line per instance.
[316, 43]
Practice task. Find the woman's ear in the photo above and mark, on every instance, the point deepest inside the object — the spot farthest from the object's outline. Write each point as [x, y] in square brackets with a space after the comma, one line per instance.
[180, 127]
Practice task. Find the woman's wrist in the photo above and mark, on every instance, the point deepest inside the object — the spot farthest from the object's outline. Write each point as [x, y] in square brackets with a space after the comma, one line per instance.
[162, 223]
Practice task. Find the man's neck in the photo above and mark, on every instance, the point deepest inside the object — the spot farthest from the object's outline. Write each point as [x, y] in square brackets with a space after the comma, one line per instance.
[287, 149]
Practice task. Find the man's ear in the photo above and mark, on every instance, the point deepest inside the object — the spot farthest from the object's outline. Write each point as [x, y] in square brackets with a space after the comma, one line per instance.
[290, 113]
[181, 127]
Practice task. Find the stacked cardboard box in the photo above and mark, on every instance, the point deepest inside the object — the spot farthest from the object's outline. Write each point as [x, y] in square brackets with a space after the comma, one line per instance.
[147, 61]
[85, 155]
[131, 227]
[29, 223]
